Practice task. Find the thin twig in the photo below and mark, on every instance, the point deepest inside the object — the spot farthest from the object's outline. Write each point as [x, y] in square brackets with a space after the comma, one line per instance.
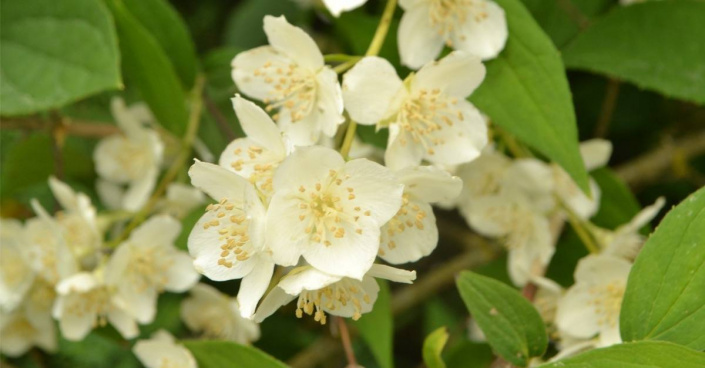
[608, 106]
[346, 342]
[72, 127]
[219, 118]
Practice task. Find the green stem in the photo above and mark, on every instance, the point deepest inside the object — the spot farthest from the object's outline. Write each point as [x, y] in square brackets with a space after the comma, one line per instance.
[583, 233]
[339, 69]
[339, 58]
[176, 166]
[347, 141]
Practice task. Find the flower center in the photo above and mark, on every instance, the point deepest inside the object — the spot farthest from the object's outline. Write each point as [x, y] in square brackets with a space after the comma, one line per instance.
[343, 294]
[232, 225]
[293, 89]
[326, 209]
[257, 165]
[148, 267]
[424, 115]
[135, 158]
[607, 301]
[95, 301]
[448, 16]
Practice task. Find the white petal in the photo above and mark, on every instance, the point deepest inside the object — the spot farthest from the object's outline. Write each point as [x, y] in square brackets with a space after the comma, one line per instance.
[303, 132]
[306, 166]
[127, 122]
[110, 194]
[123, 323]
[157, 230]
[258, 126]
[350, 256]
[275, 299]
[329, 101]
[75, 327]
[602, 269]
[401, 151]
[529, 259]
[483, 37]
[595, 153]
[338, 6]
[368, 286]
[78, 283]
[609, 336]
[457, 74]
[407, 4]
[644, 216]
[305, 278]
[253, 286]
[181, 275]
[409, 236]
[392, 274]
[418, 40]
[368, 89]
[219, 183]
[138, 192]
[530, 179]
[105, 157]
[138, 303]
[244, 65]
[376, 189]
[293, 42]
[575, 315]
[63, 194]
[430, 183]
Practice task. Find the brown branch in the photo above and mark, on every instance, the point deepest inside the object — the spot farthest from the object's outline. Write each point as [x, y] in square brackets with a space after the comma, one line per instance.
[219, 118]
[608, 105]
[70, 127]
[346, 342]
[650, 167]
[574, 13]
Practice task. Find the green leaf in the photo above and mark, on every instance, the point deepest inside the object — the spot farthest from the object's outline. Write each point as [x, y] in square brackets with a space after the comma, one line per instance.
[645, 354]
[377, 329]
[244, 25]
[433, 346]
[468, 354]
[148, 69]
[218, 354]
[512, 326]
[665, 298]
[655, 45]
[526, 93]
[562, 20]
[617, 203]
[54, 53]
[169, 30]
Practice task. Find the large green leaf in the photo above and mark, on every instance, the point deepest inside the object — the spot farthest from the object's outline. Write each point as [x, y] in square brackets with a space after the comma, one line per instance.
[54, 53]
[433, 346]
[656, 45]
[377, 329]
[169, 30]
[512, 326]
[665, 296]
[644, 354]
[243, 27]
[218, 354]
[148, 69]
[563, 20]
[526, 93]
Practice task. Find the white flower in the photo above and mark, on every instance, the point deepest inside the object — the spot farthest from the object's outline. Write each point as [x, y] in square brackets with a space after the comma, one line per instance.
[330, 211]
[591, 306]
[412, 233]
[626, 241]
[148, 263]
[595, 154]
[217, 316]
[85, 302]
[481, 177]
[161, 351]
[228, 241]
[319, 293]
[289, 75]
[180, 200]
[130, 158]
[30, 324]
[428, 115]
[338, 6]
[16, 273]
[524, 230]
[478, 27]
[257, 156]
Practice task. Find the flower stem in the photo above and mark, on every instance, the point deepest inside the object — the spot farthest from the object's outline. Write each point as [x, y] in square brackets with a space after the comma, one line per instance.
[339, 69]
[347, 141]
[382, 29]
[339, 58]
[581, 230]
[176, 166]
[347, 343]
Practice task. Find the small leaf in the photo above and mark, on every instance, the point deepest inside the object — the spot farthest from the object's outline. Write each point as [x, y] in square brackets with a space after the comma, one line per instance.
[645, 354]
[377, 329]
[54, 53]
[655, 45]
[526, 93]
[148, 69]
[168, 29]
[617, 203]
[218, 354]
[512, 326]
[433, 346]
[665, 298]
